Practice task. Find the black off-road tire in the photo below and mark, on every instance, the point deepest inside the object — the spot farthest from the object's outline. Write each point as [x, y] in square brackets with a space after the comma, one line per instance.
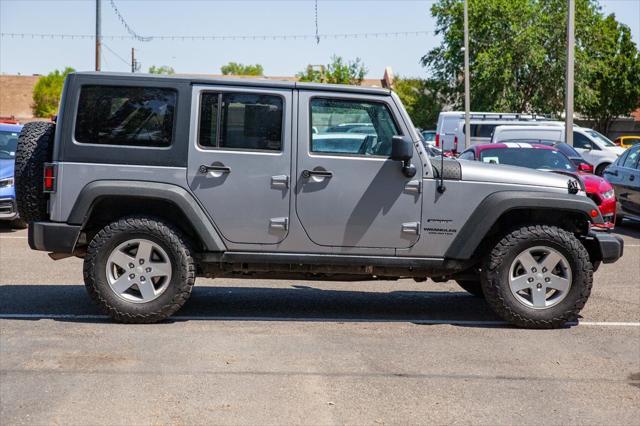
[600, 169]
[35, 147]
[495, 277]
[472, 287]
[172, 242]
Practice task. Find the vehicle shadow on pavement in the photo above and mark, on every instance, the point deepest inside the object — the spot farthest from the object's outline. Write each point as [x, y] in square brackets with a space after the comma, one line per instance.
[629, 229]
[296, 303]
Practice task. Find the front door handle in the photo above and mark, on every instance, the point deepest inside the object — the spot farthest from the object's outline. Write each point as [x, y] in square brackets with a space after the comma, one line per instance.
[632, 177]
[320, 173]
[204, 169]
[612, 173]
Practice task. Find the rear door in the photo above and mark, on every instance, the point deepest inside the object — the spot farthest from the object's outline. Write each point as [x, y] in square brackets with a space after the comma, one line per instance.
[349, 193]
[240, 160]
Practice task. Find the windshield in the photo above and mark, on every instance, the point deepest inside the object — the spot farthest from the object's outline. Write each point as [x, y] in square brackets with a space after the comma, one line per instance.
[601, 138]
[531, 158]
[8, 144]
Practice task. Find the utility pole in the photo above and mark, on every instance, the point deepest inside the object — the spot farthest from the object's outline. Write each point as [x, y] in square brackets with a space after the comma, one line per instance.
[98, 36]
[467, 96]
[133, 60]
[568, 102]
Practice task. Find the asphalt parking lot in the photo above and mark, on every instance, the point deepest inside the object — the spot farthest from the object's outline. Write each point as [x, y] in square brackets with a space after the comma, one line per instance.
[274, 352]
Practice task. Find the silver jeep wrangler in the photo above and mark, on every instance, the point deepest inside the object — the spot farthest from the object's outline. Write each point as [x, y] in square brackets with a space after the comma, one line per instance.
[157, 180]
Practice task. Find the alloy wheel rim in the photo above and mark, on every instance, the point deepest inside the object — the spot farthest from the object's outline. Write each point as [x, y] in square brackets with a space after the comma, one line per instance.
[138, 271]
[540, 277]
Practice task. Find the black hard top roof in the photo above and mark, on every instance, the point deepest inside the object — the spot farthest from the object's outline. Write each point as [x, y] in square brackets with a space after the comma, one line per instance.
[253, 82]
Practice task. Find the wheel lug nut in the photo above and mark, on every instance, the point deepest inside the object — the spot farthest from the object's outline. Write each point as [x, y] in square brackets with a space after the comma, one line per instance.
[132, 276]
[539, 285]
[143, 279]
[530, 280]
[544, 270]
[534, 270]
[131, 265]
[547, 279]
[142, 261]
[148, 269]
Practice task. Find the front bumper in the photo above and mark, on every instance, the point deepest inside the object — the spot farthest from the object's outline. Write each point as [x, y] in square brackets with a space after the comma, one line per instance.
[610, 247]
[8, 210]
[53, 237]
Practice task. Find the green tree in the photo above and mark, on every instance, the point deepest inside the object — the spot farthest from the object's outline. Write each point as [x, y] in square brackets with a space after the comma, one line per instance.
[163, 69]
[421, 98]
[234, 68]
[47, 91]
[518, 56]
[336, 72]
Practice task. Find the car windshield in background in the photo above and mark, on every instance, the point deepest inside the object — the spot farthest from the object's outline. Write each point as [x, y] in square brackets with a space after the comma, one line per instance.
[631, 141]
[531, 158]
[429, 135]
[8, 144]
[600, 137]
[564, 148]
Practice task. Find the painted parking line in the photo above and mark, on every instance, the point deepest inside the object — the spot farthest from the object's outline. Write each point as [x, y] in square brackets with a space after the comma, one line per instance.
[320, 319]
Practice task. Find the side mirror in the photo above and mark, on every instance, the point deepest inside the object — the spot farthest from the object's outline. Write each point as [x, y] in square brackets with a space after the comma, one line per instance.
[401, 148]
[585, 167]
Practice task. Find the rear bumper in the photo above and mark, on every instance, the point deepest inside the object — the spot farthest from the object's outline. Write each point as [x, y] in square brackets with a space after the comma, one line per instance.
[53, 237]
[610, 246]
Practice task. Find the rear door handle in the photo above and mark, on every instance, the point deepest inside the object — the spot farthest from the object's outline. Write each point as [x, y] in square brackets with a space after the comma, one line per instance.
[320, 173]
[204, 169]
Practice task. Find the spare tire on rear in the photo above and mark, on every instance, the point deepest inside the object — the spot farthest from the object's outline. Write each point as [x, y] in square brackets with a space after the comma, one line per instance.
[35, 147]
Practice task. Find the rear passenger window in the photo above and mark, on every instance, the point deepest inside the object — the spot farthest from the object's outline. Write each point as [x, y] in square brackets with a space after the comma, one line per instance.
[241, 121]
[632, 158]
[121, 115]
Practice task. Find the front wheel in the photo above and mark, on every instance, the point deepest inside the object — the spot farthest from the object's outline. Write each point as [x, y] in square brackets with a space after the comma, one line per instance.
[139, 270]
[538, 277]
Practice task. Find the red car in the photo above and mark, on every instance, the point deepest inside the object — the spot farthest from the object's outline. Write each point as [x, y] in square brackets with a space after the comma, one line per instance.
[548, 158]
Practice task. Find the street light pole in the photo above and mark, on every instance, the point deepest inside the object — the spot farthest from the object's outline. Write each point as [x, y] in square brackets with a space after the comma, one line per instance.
[98, 30]
[568, 120]
[467, 96]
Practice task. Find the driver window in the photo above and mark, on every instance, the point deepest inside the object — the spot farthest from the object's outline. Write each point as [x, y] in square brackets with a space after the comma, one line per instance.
[581, 141]
[341, 126]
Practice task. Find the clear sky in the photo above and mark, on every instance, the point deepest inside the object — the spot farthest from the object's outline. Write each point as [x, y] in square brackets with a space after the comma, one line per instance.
[279, 57]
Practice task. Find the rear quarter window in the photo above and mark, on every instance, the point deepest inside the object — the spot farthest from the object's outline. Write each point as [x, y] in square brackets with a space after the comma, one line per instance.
[125, 115]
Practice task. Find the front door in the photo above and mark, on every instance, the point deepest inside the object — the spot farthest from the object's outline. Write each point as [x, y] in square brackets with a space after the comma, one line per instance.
[240, 160]
[349, 193]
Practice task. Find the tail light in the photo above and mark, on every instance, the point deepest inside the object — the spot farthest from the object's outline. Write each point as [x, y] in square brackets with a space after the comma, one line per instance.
[49, 179]
[437, 139]
[455, 144]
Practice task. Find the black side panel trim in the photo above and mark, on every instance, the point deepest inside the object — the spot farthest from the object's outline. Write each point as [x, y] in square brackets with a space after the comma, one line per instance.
[178, 196]
[53, 237]
[495, 205]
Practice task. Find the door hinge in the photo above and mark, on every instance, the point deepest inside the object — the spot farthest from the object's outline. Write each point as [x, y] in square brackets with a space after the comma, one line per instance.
[279, 223]
[280, 181]
[413, 186]
[411, 228]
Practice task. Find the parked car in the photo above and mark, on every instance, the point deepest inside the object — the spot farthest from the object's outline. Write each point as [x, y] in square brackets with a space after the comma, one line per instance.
[450, 128]
[166, 178]
[548, 158]
[594, 147]
[8, 142]
[429, 136]
[624, 175]
[627, 141]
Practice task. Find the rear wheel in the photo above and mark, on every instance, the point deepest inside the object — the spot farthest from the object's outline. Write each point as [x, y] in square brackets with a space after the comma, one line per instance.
[139, 270]
[538, 277]
[600, 168]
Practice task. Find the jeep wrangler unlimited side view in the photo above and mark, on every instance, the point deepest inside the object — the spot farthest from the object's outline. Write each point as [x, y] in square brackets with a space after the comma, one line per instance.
[154, 181]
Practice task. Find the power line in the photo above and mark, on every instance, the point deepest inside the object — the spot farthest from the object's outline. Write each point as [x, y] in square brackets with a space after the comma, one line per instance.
[115, 54]
[248, 37]
[126, 26]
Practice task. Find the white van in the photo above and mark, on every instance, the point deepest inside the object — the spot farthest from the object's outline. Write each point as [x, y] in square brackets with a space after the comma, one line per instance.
[594, 147]
[450, 129]
[510, 132]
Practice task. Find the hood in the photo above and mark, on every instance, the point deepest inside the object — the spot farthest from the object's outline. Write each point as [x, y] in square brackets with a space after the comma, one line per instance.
[6, 168]
[616, 149]
[499, 173]
[595, 184]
